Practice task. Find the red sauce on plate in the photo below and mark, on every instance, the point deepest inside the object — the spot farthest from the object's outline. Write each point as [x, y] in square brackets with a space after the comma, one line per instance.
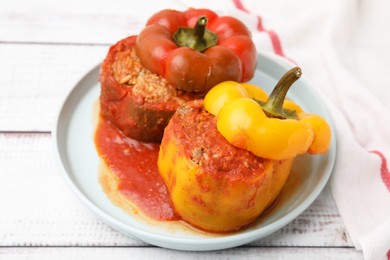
[135, 164]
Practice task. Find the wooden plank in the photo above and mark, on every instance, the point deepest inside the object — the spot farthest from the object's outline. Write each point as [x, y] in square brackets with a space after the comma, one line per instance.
[159, 253]
[38, 209]
[74, 21]
[321, 218]
[36, 78]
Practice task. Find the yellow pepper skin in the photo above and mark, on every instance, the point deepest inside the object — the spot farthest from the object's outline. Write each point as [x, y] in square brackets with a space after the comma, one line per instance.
[322, 133]
[229, 90]
[225, 91]
[211, 199]
[245, 124]
[321, 129]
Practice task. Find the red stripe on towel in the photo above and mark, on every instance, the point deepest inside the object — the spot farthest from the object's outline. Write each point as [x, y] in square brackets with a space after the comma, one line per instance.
[385, 174]
[276, 45]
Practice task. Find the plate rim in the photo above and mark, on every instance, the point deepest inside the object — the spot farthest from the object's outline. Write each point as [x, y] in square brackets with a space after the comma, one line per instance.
[213, 243]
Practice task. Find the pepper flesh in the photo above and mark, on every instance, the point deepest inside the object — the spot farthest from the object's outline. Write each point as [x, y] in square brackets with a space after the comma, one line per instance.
[232, 58]
[244, 123]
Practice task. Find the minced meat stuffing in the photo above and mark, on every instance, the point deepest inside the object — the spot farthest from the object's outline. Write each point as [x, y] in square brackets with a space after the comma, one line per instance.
[196, 129]
[127, 69]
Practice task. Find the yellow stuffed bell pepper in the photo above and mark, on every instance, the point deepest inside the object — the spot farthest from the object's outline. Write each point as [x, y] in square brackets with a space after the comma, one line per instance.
[212, 184]
[270, 127]
[224, 167]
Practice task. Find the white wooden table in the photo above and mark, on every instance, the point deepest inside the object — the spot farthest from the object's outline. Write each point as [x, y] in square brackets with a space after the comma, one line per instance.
[45, 48]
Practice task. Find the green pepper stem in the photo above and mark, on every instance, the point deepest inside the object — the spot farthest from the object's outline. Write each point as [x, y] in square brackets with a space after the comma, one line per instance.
[200, 28]
[197, 38]
[273, 107]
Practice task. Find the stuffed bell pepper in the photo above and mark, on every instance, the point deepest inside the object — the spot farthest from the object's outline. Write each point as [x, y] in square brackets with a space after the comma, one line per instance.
[226, 159]
[176, 58]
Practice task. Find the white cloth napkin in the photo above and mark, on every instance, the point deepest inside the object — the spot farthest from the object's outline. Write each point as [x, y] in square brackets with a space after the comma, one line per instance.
[343, 48]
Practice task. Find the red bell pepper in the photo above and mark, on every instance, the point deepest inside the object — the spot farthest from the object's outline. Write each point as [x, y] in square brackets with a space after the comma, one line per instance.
[196, 49]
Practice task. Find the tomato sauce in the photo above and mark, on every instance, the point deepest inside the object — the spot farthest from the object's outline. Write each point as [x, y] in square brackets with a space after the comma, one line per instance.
[135, 165]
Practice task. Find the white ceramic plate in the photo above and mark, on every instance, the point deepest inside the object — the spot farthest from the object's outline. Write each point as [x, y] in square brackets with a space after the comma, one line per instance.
[78, 161]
